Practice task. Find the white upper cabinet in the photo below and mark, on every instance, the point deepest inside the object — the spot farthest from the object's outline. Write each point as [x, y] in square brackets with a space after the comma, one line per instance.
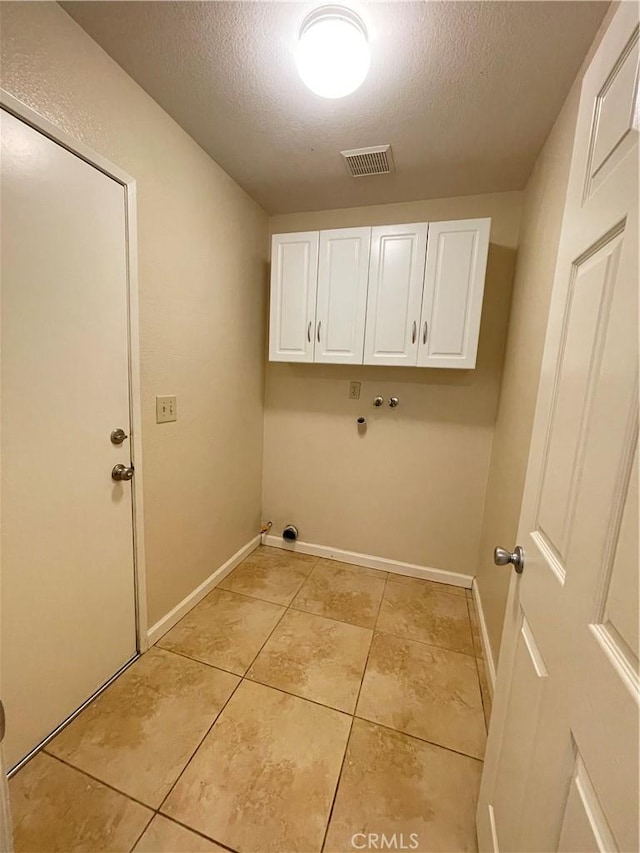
[341, 306]
[294, 279]
[453, 290]
[396, 277]
[385, 295]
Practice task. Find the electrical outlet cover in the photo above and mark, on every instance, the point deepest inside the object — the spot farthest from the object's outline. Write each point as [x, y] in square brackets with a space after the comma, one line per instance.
[354, 390]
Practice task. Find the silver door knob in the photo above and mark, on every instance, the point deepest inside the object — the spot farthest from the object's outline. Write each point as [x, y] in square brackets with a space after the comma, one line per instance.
[502, 557]
[121, 472]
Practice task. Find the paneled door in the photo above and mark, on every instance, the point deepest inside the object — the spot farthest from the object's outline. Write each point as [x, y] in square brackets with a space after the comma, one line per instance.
[561, 769]
[294, 280]
[341, 305]
[68, 592]
[396, 278]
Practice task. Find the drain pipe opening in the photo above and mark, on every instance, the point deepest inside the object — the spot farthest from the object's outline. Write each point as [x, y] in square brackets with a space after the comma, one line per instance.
[290, 533]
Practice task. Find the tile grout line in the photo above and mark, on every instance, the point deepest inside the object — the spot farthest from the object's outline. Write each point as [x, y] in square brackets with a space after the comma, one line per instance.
[138, 839]
[480, 662]
[257, 597]
[195, 831]
[298, 696]
[424, 643]
[353, 718]
[338, 780]
[100, 782]
[331, 618]
[419, 738]
[198, 660]
[373, 633]
[200, 742]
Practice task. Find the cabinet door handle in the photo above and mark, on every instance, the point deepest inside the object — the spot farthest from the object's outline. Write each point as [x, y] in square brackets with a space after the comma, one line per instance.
[424, 334]
[414, 332]
[319, 327]
[309, 331]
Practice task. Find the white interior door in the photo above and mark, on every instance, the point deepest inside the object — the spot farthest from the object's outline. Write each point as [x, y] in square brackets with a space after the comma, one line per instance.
[396, 278]
[341, 305]
[68, 599]
[453, 290]
[561, 770]
[294, 280]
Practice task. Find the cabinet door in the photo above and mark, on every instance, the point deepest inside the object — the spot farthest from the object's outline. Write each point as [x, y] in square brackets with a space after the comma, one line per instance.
[294, 278]
[396, 276]
[453, 290]
[343, 275]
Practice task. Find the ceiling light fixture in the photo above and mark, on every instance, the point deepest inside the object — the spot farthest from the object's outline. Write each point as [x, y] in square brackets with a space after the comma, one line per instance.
[333, 54]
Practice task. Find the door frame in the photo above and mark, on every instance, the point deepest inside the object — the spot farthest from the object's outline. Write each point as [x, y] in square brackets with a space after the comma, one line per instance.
[28, 115]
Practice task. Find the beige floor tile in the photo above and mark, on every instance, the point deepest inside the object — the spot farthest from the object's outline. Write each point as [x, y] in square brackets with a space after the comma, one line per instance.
[265, 776]
[422, 612]
[485, 690]
[346, 593]
[56, 808]
[475, 629]
[436, 587]
[225, 630]
[265, 555]
[424, 691]
[139, 734]
[270, 574]
[165, 836]
[316, 658]
[394, 784]
[364, 570]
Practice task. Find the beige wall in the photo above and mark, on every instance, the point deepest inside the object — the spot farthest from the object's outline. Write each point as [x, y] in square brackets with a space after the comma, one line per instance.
[202, 268]
[543, 208]
[412, 488]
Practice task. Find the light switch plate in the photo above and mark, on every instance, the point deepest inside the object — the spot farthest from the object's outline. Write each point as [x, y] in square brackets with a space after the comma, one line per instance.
[354, 390]
[166, 410]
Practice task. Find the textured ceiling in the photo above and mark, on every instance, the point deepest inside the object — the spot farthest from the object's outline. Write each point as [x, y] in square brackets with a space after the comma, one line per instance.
[466, 92]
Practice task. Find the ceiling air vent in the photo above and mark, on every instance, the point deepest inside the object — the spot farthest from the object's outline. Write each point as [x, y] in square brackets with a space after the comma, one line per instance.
[369, 161]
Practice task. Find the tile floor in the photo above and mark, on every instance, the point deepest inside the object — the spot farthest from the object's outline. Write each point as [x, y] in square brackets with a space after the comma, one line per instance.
[301, 706]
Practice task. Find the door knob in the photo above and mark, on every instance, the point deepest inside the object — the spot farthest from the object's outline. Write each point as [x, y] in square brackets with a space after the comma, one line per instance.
[502, 557]
[121, 472]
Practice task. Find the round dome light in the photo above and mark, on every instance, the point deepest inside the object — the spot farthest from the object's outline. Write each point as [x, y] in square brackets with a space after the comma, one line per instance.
[333, 52]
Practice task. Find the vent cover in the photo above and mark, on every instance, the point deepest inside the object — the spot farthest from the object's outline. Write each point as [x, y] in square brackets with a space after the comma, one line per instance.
[369, 161]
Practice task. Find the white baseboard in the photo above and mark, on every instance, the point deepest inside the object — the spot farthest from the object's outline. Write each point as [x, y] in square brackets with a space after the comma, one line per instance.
[371, 562]
[484, 635]
[173, 616]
